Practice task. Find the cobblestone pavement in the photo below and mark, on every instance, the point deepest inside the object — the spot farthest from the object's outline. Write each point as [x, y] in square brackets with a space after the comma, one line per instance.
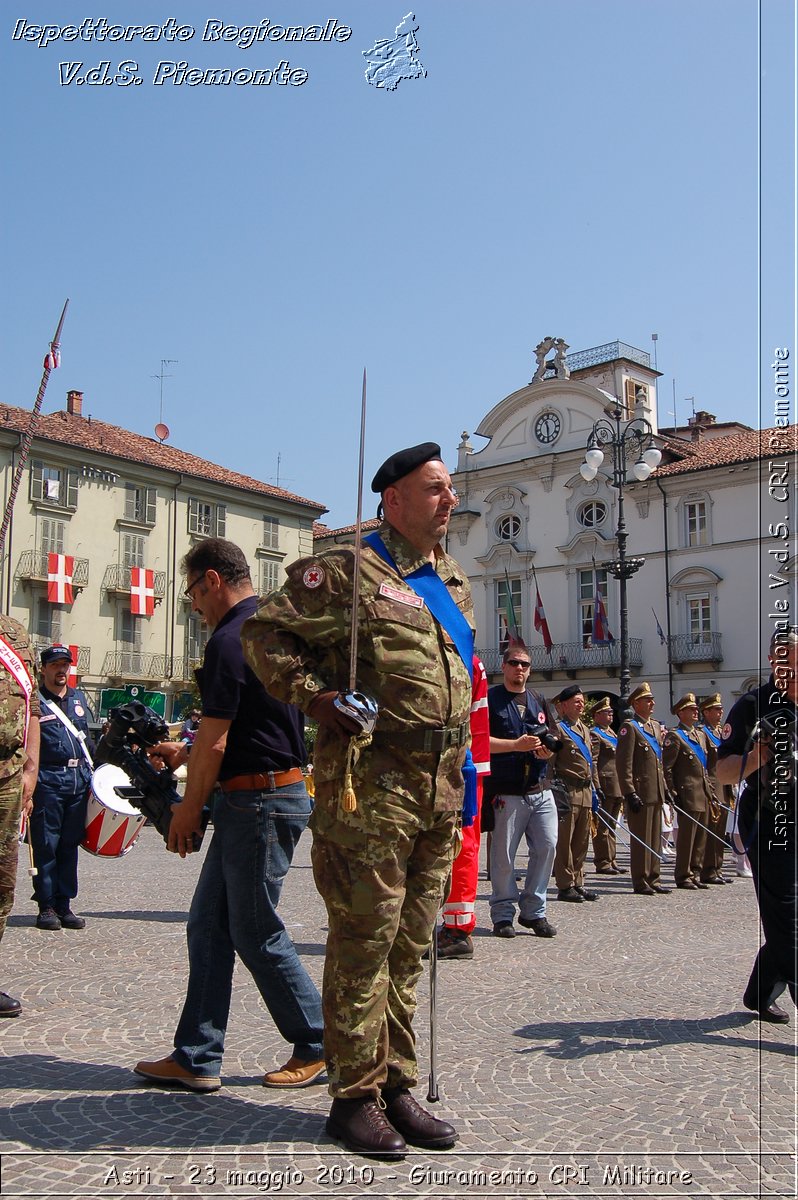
[613, 1060]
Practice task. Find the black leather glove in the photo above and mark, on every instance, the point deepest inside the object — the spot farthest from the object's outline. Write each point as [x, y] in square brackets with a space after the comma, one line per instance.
[322, 709]
[633, 801]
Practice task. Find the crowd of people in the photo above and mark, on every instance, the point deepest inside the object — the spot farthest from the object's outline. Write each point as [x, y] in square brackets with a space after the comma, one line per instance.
[415, 757]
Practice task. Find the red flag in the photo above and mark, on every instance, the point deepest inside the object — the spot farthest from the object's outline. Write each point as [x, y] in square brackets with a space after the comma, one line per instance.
[142, 592]
[60, 568]
[72, 674]
[541, 624]
[53, 359]
[601, 626]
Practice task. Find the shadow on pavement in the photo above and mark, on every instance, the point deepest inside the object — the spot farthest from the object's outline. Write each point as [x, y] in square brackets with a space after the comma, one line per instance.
[585, 1038]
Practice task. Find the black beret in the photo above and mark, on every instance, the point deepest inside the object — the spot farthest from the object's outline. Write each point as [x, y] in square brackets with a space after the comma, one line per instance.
[54, 653]
[569, 692]
[402, 463]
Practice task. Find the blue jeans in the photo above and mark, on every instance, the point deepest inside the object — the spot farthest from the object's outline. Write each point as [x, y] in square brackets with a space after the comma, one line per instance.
[234, 910]
[534, 817]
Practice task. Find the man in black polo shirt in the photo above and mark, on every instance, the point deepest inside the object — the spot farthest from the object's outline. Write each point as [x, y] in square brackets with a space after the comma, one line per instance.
[253, 746]
[758, 745]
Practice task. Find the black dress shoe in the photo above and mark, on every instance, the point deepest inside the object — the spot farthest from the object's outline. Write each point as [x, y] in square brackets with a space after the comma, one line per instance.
[9, 1007]
[539, 926]
[571, 895]
[69, 920]
[660, 890]
[643, 889]
[607, 871]
[699, 883]
[587, 895]
[363, 1128]
[773, 1015]
[687, 885]
[716, 879]
[620, 870]
[415, 1124]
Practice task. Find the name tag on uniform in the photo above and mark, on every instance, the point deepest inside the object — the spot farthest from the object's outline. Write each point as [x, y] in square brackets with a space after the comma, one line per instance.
[393, 593]
[43, 718]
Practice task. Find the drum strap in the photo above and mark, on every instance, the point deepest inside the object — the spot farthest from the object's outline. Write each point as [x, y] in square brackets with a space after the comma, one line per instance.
[16, 667]
[58, 711]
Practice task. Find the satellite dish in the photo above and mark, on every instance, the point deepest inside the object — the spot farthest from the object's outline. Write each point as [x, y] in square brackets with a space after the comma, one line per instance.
[161, 432]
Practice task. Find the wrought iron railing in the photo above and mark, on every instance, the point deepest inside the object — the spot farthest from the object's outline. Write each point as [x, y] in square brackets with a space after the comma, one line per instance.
[609, 352]
[84, 652]
[33, 565]
[117, 579]
[695, 647]
[130, 664]
[570, 656]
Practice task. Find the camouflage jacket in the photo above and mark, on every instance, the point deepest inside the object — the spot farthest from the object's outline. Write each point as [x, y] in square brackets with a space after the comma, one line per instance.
[298, 645]
[12, 700]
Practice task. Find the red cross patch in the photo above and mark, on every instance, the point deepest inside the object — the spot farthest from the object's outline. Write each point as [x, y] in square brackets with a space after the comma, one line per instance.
[313, 577]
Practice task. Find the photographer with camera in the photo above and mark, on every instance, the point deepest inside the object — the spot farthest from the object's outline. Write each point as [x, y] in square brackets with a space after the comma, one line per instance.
[576, 768]
[758, 746]
[522, 801]
[252, 746]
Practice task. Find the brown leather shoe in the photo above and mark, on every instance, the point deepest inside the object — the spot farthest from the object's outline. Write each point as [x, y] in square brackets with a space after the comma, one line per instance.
[171, 1074]
[416, 1125]
[297, 1073]
[362, 1127]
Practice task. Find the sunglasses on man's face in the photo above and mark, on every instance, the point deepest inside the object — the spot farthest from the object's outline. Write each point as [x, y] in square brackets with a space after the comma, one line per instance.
[518, 662]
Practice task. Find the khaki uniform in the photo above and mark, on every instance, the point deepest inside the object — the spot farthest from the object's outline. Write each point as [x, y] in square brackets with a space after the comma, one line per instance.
[688, 780]
[12, 758]
[722, 794]
[604, 842]
[573, 832]
[381, 869]
[640, 770]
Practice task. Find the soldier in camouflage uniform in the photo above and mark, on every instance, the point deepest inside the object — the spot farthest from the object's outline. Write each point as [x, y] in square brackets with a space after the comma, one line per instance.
[19, 761]
[381, 868]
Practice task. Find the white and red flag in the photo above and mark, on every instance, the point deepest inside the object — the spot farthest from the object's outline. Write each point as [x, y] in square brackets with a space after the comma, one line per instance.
[53, 358]
[601, 626]
[541, 624]
[72, 673]
[142, 592]
[60, 568]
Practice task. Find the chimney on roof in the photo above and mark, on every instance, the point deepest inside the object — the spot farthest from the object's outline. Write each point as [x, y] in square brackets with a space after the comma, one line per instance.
[699, 422]
[74, 403]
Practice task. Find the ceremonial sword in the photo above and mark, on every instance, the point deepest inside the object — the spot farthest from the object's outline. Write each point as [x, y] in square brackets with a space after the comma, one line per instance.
[619, 833]
[690, 817]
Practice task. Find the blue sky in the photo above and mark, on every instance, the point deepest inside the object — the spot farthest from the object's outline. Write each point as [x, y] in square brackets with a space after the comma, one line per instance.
[582, 169]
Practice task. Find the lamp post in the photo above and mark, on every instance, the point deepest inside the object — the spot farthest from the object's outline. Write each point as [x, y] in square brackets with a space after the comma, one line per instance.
[629, 442]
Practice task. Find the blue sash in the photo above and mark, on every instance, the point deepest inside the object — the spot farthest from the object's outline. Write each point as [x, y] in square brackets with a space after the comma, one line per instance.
[427, 583]
[715, 740]
[698, 750]
[588, 757]
[470, 794]
[652, 741]
[609, 738]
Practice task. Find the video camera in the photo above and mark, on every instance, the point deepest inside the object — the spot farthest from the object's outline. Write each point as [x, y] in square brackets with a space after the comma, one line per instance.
[132, 728]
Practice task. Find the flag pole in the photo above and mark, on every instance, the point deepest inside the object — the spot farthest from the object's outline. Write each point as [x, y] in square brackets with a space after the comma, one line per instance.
[51, 361]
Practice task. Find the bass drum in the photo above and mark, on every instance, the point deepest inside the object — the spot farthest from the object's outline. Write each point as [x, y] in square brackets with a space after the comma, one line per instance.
[112, 823]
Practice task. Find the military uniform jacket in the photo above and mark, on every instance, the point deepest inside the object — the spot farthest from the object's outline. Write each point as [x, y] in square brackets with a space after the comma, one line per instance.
[604, 758]
[12, 700]
[639, 768]
[721, 792]
[298, 644]
[684, 774]
[572, 767]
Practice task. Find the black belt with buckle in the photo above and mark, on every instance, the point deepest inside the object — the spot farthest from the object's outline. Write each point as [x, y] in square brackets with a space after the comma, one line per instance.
[429, 741]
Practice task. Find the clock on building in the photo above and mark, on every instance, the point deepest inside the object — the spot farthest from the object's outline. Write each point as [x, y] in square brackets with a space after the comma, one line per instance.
[547, 428]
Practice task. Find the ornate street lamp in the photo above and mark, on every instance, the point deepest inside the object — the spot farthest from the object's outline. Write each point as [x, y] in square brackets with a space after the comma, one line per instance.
[630, 443]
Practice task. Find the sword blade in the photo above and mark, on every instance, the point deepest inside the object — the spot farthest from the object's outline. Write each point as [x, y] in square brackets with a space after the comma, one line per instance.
[620, 832]
[690, 817]
[358, 551]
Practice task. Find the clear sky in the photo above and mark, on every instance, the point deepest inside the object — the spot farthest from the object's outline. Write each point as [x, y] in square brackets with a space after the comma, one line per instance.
[583, 169]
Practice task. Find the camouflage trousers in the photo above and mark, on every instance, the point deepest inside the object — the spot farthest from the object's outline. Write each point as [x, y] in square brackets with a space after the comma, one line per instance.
[382, 897]
[10, 799]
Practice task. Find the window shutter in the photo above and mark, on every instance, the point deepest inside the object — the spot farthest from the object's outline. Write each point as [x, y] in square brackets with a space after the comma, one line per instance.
[72, 489]
[36, 484]
[149, 506]
[221, 520]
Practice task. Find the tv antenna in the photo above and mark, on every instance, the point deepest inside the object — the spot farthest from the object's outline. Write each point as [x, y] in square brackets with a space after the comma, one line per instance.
[165, 362]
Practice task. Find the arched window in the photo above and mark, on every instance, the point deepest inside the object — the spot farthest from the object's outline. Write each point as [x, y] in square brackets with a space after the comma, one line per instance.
[508, 528]
[592, 513]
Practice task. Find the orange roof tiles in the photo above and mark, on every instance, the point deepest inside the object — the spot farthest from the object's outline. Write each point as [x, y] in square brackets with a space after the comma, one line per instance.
[86, 433]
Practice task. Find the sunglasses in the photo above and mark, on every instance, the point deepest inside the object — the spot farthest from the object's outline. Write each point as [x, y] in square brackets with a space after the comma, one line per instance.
[517, 662]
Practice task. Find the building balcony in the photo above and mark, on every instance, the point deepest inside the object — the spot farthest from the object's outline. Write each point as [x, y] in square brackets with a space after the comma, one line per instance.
[131, 664]
[32, 567]
[184, 668]
[116, 581]
[695, 648]
[570, 657]
[84, 652]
